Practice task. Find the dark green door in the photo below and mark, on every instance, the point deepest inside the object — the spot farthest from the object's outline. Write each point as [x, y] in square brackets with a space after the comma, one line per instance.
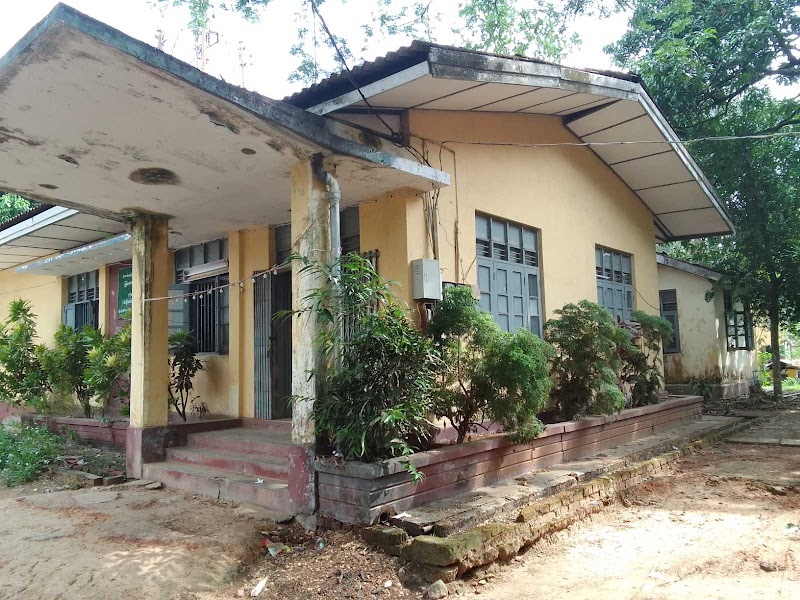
[281, 347]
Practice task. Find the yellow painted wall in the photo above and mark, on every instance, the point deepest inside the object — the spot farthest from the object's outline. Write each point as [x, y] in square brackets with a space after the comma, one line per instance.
[569, 194]
[704, 353]
[46, 295]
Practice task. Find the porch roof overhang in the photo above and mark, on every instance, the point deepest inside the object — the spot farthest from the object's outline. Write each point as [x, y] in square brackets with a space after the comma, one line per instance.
[94, 120]
[599, 107]
[687, 267]
[51, 230]
[81, 259]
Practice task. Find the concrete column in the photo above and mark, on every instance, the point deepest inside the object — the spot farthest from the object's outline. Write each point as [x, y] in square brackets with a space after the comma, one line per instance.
[103, 305]
[149, 354]
[310, 238]
[235, 329]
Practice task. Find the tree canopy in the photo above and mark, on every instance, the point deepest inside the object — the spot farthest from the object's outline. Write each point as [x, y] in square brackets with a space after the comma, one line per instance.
[12, 205]
[709, 66]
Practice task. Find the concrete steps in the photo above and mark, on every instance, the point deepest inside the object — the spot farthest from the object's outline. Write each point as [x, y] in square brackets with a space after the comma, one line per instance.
[222, 484]
[245, 464]
[249, 464]
[264, 442]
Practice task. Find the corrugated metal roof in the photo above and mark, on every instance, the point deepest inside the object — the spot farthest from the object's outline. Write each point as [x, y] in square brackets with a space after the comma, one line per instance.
[396, 61]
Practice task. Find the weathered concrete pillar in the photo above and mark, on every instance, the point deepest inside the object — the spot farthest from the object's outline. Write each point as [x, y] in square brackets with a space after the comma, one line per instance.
[149, 355]
[310, 238]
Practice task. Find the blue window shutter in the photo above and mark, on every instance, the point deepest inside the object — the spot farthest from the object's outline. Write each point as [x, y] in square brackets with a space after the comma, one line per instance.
[69, 315]
[178, 310]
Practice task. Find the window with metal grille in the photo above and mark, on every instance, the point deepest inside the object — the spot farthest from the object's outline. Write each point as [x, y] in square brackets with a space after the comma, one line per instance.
[614, 272]
[508, 272]
[201, 271]
[83, 300]
[208, 314]
[738, 324]
[668, 301]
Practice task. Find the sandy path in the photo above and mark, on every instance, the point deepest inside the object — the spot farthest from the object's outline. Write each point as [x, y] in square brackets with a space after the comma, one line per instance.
[133, 544]
[712, 530]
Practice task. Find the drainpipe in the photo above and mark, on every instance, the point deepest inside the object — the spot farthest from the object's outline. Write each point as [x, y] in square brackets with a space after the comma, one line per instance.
[334, 198]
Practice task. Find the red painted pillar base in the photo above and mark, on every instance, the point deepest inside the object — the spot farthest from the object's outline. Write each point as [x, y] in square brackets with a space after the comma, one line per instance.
[303, 479]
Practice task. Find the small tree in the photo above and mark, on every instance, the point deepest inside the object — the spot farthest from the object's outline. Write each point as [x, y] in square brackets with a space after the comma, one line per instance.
[378, 387]
[642, 359]
[587, 362]
[107, 374]
[23, 380]
[184, 365]
[488, 374]
[66, 363]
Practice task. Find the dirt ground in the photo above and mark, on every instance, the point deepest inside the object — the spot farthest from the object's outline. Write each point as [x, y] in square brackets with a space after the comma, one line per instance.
[725, 524]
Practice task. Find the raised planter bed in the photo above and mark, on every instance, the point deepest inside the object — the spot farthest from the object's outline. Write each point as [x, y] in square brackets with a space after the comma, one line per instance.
[360, 493]
[91, 430]
[115, 431]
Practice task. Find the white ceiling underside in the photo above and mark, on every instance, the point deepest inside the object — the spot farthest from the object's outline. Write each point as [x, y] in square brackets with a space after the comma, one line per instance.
[83, 109]
[663, 175]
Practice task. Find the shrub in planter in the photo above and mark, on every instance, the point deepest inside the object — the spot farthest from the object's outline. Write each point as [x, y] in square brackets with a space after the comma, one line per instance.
[587, 362]
[66, 363]
[184, 365]
[378, 389]
[488, 373]
[108, 371]
[642, 358]
[23, 380]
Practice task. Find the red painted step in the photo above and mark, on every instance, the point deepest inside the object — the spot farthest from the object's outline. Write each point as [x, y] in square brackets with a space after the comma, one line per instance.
[259, 441]
[222, 484]
[272, 467]
[272, 425]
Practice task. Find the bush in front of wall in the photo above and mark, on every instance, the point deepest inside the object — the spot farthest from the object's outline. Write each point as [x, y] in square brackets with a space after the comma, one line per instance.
[26, 451]
[489, 374]
[378, 388]
[642, 358]
[67, 361]
[108, 371]
[23, 380]
[587, 362]
[184, 365]
[376, 404]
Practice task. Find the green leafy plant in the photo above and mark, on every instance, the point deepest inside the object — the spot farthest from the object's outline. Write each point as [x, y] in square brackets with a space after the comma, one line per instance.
[587, 360]
[25, 452]
[23, 380]
[66, 363]
[703, 387]
[184, 365]
[108, 370]
[488, 374]
[642, 357]
[378, 388]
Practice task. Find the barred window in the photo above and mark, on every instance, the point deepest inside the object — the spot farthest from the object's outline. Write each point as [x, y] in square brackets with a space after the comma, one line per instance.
[738, 324]
[202, 272]
[83, 300]
[668, 300]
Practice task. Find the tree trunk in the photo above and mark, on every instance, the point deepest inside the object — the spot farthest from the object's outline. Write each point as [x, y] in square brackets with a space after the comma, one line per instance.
[774, 331]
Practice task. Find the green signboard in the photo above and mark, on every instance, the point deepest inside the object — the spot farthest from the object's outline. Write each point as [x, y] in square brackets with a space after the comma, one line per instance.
[124, 290]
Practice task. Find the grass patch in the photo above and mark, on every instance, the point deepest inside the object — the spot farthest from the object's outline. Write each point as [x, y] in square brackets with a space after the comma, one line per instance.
[25, 452]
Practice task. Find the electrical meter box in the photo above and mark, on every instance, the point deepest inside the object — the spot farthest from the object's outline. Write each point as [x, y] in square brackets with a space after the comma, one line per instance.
[426, 279]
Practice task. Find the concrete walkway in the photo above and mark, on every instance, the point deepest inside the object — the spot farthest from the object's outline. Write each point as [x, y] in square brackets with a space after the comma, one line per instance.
[776, 430]
[503, 499]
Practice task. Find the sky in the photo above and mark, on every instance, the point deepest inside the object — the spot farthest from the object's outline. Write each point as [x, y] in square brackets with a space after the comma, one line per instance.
[266, 44]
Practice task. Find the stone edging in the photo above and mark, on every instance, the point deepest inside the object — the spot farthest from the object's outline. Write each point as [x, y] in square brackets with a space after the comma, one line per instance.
[447, 558]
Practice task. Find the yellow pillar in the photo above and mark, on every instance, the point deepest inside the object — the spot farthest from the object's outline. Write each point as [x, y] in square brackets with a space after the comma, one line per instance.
[149, 354]
[103, 285]
[310, 238]
[235, 329]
